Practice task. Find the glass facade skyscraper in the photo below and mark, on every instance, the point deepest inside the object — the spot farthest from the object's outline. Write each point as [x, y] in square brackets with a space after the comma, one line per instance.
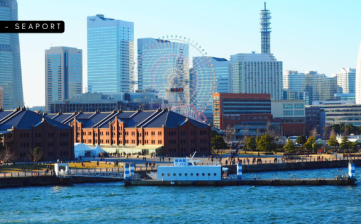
[110, 54]
[10, 65]
[160, 60]
[63, 74]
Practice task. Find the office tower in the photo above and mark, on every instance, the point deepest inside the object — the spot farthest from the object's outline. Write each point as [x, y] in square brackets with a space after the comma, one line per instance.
[63, 74]
[159, 61]
[293, 81]
[358, 78]
[265, 30]
[319, 86]
[110, 54]
[346, 80]
[256, 73]
[10, 65]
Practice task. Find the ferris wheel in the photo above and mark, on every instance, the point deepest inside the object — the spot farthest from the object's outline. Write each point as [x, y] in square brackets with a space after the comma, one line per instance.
[180, 70]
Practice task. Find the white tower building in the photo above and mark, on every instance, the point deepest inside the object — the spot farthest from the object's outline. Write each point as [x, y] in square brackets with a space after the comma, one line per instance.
[256, 73]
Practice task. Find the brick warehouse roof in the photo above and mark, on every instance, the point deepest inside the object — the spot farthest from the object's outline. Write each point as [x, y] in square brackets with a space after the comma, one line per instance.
[22, 118]
[131, 119]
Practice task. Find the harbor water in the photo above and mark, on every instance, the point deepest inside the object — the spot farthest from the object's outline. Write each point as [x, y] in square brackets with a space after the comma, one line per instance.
[113, 203]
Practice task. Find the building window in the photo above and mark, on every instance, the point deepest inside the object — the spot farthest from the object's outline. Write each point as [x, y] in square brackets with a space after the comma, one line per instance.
[287, 106]
[287, 112]
[299, 105]
[299, 112]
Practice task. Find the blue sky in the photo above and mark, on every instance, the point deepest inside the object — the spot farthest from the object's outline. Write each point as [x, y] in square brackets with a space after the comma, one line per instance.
[316, 35]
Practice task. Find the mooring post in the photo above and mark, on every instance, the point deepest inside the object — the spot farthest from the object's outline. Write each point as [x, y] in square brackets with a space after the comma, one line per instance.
[239, 170]
[126, 171]
[132, 170]
[351, 170]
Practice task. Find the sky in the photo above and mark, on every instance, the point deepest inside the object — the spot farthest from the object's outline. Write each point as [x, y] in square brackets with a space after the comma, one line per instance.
[307, 35]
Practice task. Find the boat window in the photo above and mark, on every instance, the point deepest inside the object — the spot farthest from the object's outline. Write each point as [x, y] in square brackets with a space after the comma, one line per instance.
[191, 174]
[180, 174]
[174, 174]
[168, 174]
[197, 174]
[186, 174]
[215, 174]
[203, 174]
[209, 174]
[163, 174]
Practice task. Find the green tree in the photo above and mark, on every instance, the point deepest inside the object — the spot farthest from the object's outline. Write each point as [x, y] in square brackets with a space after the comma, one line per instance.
[309, 143]
[251, 143]
[355, 146]
[301, 139]
[345, 143]
[265, 143]
[290, 147]
[332, 141]
[218, 142]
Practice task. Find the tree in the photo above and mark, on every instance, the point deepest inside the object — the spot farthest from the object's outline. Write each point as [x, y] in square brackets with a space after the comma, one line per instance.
[245, 141]
[290, 147]
[229, 134]
[332, 141]
[332, 132]
[314, 132]
[251, 144]
[35, 154]
[345, 143]
[356, 146]
[301, 139]
[265, 143]
[326, 130]
[218, 142]
[309, 143]
[2, 147]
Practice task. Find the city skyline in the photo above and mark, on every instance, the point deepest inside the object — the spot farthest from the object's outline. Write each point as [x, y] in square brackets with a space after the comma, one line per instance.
[294, 41]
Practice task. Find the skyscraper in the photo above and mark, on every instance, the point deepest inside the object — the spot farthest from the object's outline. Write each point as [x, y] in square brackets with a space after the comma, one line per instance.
[358, 78]
[63, 74]
[265, 30]
[256, 73]
[159, 61]
[110, 54]
[10, 65]
[346, 80]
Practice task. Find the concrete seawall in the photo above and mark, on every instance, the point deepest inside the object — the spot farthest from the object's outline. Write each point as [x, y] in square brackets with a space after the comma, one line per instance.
[293, 166]
[34, 181]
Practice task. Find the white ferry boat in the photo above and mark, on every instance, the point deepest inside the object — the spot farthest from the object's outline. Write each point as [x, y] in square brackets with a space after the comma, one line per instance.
[187, 169]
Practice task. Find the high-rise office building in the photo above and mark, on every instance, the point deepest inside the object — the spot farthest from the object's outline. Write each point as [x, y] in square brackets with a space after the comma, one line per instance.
[256, 73]
[346, 80]
[110, 54]
[311, 86]
[265, 16]
[63, 74]
[293, 81]
[10, 65]
[358, 78]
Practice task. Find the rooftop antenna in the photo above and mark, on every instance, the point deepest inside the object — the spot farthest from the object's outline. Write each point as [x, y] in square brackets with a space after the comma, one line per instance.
[265, 16]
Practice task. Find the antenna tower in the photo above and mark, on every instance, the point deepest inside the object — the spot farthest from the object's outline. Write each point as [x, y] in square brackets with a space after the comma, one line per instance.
[265, 16]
